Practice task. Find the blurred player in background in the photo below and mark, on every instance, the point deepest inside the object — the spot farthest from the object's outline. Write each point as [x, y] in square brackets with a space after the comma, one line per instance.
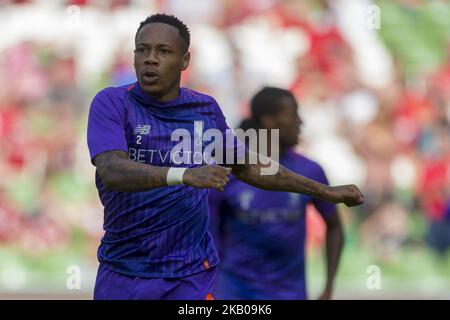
[156, 244]
[261, 234]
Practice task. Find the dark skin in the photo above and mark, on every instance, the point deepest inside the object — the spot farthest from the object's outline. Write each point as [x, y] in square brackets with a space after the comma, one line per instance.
[160, 57]
[334, 244]
[160, 50]
[288, 121]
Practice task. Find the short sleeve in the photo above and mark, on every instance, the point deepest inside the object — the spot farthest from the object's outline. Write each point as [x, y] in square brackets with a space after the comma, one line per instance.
[106, 125]
[325, 208]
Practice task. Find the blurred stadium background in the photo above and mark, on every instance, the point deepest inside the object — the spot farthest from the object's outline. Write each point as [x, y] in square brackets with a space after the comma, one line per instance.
[373, 81]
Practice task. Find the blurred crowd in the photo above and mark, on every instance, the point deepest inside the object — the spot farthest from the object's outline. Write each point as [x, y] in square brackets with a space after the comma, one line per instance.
[43, 192]
[375, 99]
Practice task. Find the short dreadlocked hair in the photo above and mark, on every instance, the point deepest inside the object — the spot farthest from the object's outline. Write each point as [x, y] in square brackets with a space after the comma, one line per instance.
[267, 102]
[170, 20]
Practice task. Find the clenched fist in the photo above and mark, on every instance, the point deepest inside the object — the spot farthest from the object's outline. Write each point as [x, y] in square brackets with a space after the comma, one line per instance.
[347, 194]
[210, 176]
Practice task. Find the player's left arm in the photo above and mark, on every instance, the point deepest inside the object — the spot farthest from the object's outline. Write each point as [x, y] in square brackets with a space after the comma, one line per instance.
[334, 243]
[334, 240]
[286, 180]
[253, 173]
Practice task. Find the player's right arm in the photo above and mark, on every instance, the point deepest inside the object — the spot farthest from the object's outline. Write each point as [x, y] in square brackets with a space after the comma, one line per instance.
[109, 153]
[118, 173]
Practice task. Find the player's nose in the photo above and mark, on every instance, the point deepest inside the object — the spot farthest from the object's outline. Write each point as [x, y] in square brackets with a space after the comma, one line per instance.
[151, 58]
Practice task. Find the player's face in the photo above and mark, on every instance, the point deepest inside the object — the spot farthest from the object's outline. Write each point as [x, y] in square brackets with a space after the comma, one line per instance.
[159, 58]
[288, 121]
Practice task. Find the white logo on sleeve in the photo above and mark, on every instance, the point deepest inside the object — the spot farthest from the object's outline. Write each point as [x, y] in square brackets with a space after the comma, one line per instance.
[142, 129]
[245, 199]
[294, 199]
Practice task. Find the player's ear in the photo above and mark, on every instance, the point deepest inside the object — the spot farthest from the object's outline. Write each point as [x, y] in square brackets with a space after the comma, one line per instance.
[186, 59]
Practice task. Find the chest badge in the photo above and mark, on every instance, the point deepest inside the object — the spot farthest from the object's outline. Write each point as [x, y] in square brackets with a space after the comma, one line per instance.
[142, 129]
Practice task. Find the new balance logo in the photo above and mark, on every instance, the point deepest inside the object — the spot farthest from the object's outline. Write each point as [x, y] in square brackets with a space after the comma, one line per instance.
[142, 129]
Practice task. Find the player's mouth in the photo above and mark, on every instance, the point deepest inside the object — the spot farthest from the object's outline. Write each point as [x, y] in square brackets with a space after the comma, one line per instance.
[149, 77]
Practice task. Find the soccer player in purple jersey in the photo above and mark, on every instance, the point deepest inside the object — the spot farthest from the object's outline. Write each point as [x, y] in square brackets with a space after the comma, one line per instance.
[156, 244]
[260, 234]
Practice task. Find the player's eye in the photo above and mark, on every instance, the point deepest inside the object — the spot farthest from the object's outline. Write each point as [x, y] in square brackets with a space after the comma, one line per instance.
[165, 51]
[143, 51]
